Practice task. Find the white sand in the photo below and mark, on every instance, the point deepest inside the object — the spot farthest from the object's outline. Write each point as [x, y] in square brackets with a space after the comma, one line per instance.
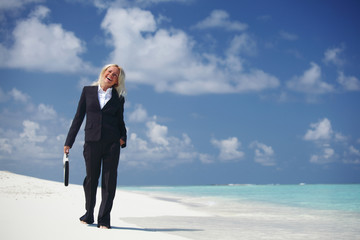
[38, 209]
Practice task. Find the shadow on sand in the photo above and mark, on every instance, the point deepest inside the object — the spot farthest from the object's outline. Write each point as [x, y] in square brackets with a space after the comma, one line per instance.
[158, 229]
[152, 229]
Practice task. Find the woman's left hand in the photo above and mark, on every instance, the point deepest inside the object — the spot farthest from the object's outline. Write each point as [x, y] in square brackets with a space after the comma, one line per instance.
[122, 143]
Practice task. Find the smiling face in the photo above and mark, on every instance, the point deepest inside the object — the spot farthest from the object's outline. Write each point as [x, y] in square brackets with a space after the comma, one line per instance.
[110, 77]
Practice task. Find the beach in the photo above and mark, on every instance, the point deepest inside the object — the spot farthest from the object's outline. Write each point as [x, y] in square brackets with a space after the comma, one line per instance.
[34, 208]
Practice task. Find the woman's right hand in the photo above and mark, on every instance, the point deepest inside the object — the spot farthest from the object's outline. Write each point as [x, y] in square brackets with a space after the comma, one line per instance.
[66, 149]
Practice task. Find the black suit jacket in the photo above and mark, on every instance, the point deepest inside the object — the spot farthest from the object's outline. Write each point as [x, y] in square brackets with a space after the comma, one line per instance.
[101, 124]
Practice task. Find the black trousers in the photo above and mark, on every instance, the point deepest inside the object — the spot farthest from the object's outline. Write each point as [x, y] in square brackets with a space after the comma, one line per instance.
[97, 154]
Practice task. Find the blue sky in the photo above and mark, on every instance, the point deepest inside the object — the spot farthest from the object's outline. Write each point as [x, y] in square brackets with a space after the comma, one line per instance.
[218, 91]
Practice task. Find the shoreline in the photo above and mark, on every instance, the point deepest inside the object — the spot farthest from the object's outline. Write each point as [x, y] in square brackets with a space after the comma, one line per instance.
[309, 197]
[256, 220]
[40, 209]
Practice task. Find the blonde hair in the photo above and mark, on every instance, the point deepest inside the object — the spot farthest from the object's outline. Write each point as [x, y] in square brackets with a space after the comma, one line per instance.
[120, 85]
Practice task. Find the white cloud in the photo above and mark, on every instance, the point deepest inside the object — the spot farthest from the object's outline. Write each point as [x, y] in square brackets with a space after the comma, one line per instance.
[206, 158]
[255, 80]
[151, 143]
[30, 132]
[339, 137]
[148, 2]
[288, 36]
[351, 161]
[328, 142]
[321, 133]
[352, 155]
[41, 112]
[161, 18]
[12, 4]
[310, 82]
[157, 133]
[46, 112]
[229, 149]
[221, 19]
[138, 115]
[19, 96]
[242, 44]
[321, 130]
[327, 156]
[332, 55]
[41, 12]
[165, 58]
[264, 18]
[104, 4]
[354, 151]
[84, 82]
[35, 135]
[349, 83]
[5, 146]
[43, 47]
[159, 148]
[263, 154]
[36, 144]
[31, 145]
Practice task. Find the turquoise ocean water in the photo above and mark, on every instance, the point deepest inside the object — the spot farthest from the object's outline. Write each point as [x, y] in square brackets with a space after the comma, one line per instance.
[340, 197]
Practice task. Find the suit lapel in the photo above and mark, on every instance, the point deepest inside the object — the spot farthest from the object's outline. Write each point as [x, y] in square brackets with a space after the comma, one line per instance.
[114, 97]
[95, 95]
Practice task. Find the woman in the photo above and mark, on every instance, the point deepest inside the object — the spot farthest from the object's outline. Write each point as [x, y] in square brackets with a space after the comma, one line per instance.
[105, 133]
